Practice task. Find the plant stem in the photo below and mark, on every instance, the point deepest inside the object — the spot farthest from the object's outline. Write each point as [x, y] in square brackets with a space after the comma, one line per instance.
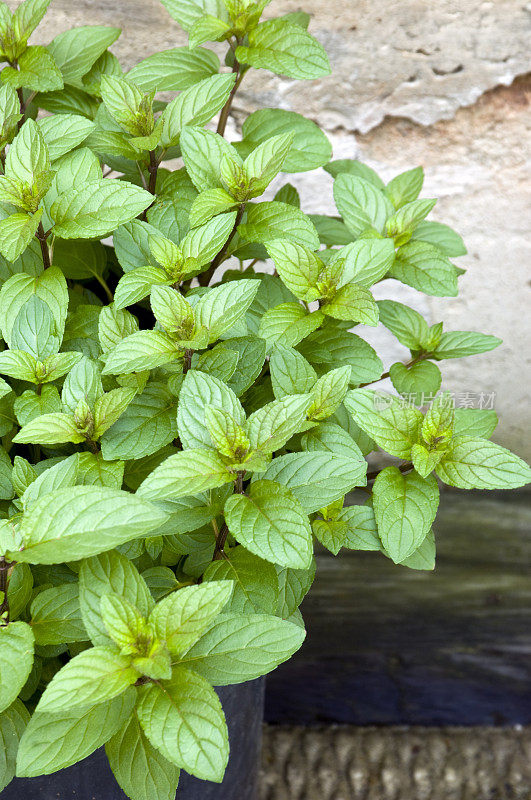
[220, 542]
[386, 374]
[187, 360]
[225, 111]
[152, 169]
[221, 537]
[41, 236]
[206, 277]
[407, 467]
[4, 607]
[105, 286]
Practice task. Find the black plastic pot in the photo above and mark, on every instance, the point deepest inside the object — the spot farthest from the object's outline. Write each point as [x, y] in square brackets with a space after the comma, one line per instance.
[92, 778]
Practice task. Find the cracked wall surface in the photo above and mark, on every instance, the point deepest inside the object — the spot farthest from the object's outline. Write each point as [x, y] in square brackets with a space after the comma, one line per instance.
[413, 82]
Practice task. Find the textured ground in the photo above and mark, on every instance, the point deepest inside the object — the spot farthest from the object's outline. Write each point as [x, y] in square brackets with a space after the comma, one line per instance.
[347, 763]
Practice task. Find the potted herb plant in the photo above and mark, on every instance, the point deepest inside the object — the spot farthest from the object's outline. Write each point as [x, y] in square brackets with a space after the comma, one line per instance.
[174, 436]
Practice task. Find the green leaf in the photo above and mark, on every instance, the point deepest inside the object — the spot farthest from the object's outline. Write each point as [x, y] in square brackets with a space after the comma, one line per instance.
[331, 533]
[474, 463]
[208, 28]
[109, 573]
[114, 325]
[242, 647]
[123, 621]
[395, 428]
[317, 478]
[299, 268]
[310, 147]
[405, 188]
[187, 12]
[405, 507]
[367, 261]
[334, 346]
[210, 203]
[290, 372]
[184, 720]
[28, 155]
[438, 422]
[56, 616]
[50, 429]
[109, 408]
[353, 303]
[54, 741]
[37, 71]
[13, 721]
[174, 69]
[443, 237]
[204, 242]
[140, 769]
[203, 152]
[27, 16]
[271, 426]
[56, 528]
[255, 581]
[97, 209]
[186, 473]
[16, 232]
[137, 284]
[406, 219]
[328, 393]
[183, 617]
[264, 163]
[140, 351]
[362, 529]
[424, 556]
[92, 677]
[331, 438]
[425, 268]
[30, 405]
[94, 471]
[425, 460]
[362, 206]
[221, 307]
[474, 422]
[409, 327]
[458, 344]
[271, 523]
[417, 383]
[353, 167]
[16, 660]
[196, 106]
[228, 438]
[148, 424]
[266, 222]
[285, 49]
[56, 476]
[76, 50]
[198, 391]
[82, 383]
[127, 105]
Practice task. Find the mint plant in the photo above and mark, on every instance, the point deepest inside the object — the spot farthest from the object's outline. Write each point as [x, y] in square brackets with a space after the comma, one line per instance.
[175, 436]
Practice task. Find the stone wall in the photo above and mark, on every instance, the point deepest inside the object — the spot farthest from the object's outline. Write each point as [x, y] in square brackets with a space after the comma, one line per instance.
[438, 84]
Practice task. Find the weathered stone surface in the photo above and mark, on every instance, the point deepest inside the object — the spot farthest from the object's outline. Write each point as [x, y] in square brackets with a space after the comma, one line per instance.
[401, 67]
[404, 58]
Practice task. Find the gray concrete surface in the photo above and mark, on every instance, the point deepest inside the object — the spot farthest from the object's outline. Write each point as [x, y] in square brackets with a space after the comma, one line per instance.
[437, 84]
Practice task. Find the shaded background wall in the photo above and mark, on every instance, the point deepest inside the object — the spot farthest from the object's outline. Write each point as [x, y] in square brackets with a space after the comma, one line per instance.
[439, 84]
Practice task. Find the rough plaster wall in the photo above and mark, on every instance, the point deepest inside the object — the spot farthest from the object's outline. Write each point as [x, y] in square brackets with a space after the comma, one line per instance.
[414, 82]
